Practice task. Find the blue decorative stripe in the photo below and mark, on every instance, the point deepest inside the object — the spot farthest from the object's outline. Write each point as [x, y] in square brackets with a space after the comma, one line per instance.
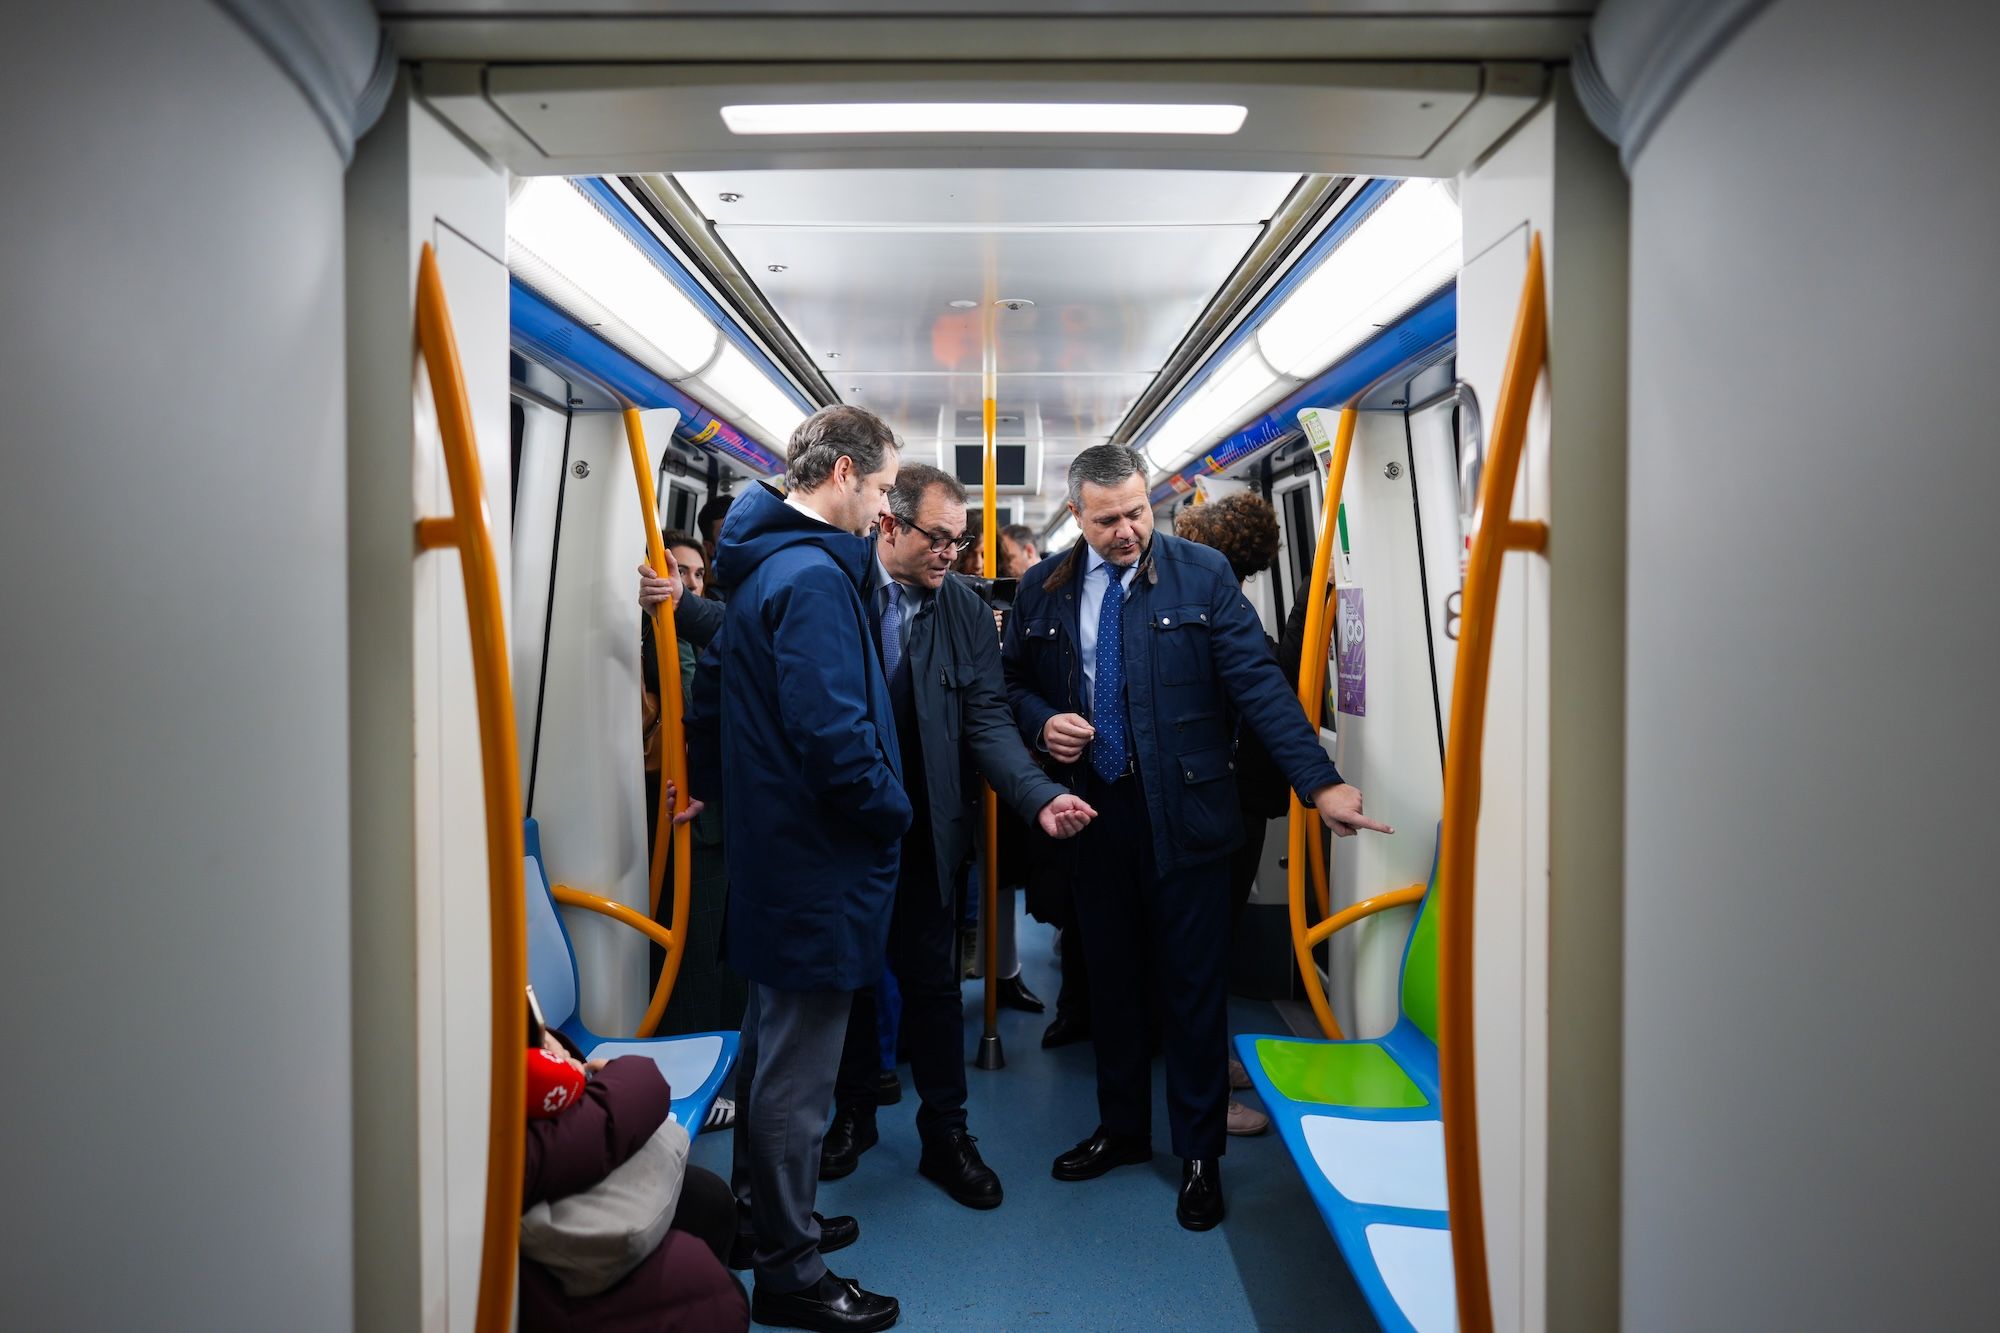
[1415, 339]
[637, 232]
[1366, 200]
[544, 332]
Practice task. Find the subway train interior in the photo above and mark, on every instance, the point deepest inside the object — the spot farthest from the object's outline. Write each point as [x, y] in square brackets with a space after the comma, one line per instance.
[1615, 374]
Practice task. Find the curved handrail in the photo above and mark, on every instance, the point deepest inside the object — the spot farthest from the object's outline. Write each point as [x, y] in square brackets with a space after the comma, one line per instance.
[1497, 534]
[470, 531]
[617, 911]
[673, 745]
[1367, 907]
[1312, 691]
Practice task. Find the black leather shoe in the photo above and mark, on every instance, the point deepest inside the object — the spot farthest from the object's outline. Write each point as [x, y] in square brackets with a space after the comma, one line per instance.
[888, 1089]
[852, 1134]
[1066, 1030]
[833, 1305]
[952, 1161]
[1014, 994]
[835, 1233]
[1099, 1153]
[1200, 1205]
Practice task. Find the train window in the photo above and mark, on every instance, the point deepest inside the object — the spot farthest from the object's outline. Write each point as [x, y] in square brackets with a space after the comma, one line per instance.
[1300, 533]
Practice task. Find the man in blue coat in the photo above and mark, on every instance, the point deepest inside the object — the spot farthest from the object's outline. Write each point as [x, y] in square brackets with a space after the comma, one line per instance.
[814, 813]
[1130, 659]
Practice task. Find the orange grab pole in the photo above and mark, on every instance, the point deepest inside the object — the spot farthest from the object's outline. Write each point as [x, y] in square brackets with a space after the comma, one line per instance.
[1301, 828]
[617, 911]
[470, 531]
[1367, 907]
[989, 879]
[673, 743]
[1497, 533]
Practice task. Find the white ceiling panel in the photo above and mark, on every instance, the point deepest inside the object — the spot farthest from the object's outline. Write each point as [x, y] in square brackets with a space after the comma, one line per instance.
[864, 267]
[1106, 299]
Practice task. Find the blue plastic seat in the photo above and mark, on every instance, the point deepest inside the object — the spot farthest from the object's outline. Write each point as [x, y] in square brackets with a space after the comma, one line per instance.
[1363, 1122]
[694, 1066]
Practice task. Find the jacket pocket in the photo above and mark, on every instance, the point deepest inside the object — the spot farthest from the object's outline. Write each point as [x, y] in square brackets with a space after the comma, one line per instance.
[957, 678]
[1180, 644]
[1208, 818]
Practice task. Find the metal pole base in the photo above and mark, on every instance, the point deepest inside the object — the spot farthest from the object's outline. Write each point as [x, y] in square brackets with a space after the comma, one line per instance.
[990, 1055]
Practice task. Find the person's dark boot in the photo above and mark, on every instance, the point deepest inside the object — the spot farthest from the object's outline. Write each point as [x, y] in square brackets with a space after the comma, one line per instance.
[1200, 1205]
[951, 1160]
[853, 1133]
[1067, 1030]
[831, 1305]
[835, 1233]
[888, 1088]
[1099, 1153]
[1014, 994]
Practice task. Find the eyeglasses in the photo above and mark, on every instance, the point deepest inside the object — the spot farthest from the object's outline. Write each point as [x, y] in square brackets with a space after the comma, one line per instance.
[941, 545]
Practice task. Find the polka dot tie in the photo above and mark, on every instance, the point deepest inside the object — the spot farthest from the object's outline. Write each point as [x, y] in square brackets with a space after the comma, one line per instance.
[1107, 694]
[892, 631]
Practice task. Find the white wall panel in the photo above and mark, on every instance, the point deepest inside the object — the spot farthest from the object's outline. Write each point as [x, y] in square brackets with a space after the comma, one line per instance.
[175, 955]
[590, 795]
[538, 492]
[1390, 752]
[1811, 908]
[421, 921]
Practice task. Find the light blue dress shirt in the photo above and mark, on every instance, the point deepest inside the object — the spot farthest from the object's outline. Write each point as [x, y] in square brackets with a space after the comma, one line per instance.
[1096, 571]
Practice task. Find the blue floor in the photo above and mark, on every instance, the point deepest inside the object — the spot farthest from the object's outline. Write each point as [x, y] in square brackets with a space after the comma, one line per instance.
[1103, 1254]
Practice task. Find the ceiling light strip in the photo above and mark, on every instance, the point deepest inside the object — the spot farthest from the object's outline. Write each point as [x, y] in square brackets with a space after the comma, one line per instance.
[1418, 339]
[1358, 210]
[1151, 118]
[543, 332]
[635, 230]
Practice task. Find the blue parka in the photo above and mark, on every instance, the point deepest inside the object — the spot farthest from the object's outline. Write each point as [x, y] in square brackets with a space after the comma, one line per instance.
[1196, 663]
[813, 803]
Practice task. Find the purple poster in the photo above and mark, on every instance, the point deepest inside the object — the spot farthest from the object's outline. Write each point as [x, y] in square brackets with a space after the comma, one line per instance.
[1350, 655]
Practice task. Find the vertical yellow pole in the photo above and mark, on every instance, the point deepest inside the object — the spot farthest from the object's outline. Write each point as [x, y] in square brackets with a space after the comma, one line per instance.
[990, 1053]
[1302, 846]
[673, 742]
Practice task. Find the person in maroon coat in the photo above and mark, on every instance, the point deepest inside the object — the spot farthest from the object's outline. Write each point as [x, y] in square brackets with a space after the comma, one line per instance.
[682, 1285]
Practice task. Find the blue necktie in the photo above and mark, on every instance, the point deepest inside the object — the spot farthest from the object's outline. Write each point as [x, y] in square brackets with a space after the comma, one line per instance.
[892, 631]
[1107, 693]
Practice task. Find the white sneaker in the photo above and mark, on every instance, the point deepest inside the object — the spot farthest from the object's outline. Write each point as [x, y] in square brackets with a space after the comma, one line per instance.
[1244, 1121]
[1239, 1078]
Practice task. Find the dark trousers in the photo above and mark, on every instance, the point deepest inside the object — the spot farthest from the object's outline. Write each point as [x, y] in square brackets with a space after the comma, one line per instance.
[923, 953]
[1153, 940]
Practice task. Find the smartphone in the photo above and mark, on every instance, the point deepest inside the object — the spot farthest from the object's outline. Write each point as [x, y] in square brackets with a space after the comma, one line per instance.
[537, 1026]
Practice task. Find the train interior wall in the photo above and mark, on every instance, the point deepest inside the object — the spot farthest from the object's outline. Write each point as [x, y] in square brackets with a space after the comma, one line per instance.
[1810, 870]
[175, 952]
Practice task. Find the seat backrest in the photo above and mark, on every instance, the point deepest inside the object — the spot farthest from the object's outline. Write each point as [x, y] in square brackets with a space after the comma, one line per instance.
[1420, 964]
[551, 964]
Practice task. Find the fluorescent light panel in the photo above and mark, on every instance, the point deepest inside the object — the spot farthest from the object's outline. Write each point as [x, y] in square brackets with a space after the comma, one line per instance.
[553, 221]
[983, 118]
[1407, 248]
[750, 391]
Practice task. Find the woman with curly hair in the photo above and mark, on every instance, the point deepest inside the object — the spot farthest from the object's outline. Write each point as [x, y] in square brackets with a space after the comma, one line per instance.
[1244, 528]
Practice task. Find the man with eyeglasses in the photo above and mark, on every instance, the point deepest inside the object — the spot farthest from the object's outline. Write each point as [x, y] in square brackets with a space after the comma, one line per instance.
[942, 661]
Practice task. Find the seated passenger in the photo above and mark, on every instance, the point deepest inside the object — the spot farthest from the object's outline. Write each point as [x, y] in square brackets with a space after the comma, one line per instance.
[682, 1284]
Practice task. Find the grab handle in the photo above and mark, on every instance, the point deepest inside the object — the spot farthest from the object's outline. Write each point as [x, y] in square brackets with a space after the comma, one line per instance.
[1301, 829]
[1497, 534]
[470, 532]
[673, 743]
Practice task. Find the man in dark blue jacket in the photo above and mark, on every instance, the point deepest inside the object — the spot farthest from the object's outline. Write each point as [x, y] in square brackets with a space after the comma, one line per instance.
[943, 663]
[814, 813]
[1129, 659]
